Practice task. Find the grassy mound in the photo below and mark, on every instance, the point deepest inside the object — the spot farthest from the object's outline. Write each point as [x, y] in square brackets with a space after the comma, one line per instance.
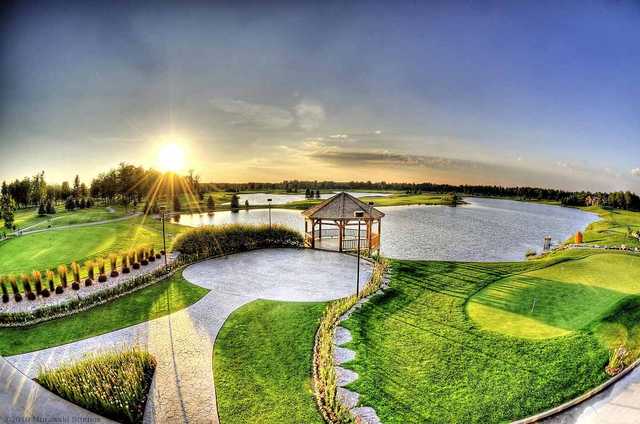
[262, 363]
[114, 385]
[421, 359]
[556, 300]
[151, 302]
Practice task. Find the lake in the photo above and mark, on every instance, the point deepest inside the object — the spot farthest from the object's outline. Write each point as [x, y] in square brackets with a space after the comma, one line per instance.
[482, 230]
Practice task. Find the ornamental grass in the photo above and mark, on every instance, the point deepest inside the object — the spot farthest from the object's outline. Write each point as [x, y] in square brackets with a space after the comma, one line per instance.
[102, 273]
[62, 273]
[90, 267]
[114, 385]
[113, 261]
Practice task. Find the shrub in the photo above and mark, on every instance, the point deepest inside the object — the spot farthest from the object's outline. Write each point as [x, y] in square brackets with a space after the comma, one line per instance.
[37, 280]
[59, 290]
[75, 268]
[14, 288]
[142, 256]
[113, 259]
[227, 239]
[62, 273]
[125, 263]
[26, 283]
[5, 292]
[102, 275]
[45, 292]
[50, 277]
[133, 258]
[114, 384]
[151, 255]
[90, 267]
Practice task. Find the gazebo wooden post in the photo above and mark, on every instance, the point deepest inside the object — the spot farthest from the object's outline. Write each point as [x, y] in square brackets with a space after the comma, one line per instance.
[369, 226]
[313, 234]
[340, 234]
[320, 230]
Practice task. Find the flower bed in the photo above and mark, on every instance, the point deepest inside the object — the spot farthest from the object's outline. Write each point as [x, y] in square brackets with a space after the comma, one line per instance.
[114, 385]
[324, 373]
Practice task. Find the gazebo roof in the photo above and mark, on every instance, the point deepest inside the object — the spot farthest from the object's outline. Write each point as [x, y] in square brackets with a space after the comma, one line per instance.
[342, 206]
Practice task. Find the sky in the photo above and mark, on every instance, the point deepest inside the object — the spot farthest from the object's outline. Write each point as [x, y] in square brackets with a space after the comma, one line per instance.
[479, 92]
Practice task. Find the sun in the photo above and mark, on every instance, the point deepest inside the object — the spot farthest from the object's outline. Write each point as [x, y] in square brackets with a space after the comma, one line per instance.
[171, 158]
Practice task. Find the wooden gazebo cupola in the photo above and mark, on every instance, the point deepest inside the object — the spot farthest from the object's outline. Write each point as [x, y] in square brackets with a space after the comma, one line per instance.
[333, 225]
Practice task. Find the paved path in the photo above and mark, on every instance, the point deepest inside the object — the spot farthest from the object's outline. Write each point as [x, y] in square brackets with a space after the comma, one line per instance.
[183, 390]
[619, 404]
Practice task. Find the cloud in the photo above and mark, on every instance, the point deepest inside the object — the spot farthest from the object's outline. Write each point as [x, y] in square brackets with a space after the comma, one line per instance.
[261, 115]
[635, 172]
[310, 115]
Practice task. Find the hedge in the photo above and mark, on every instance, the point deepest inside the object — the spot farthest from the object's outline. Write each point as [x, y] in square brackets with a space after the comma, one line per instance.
[234, 238]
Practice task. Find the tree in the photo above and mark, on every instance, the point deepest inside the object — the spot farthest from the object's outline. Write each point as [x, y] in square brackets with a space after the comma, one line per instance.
[42, 209]
[235, 202]
[211, 204]
[307, 193]
[76, 186]
[70, 203]
[49, 208]
[317, 194]
[177, 207]
[7, 209]
[246, 204]
[65, 190]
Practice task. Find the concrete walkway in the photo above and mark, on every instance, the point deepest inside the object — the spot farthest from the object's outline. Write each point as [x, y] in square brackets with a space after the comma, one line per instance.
[619, 404]
[183, 390]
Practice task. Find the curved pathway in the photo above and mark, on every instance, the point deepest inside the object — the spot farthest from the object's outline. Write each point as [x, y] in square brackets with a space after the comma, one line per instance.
[26, 231]
[618, 404]
[183, 389]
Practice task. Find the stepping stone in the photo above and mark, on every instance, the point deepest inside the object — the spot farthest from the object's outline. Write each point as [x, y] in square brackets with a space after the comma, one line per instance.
[342, 355]
[366, 414]
[342, 336]
[345, 376]
[347, 397]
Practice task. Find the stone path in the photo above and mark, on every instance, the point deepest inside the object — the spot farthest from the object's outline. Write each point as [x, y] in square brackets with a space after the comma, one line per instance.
[619, 404]
[183, 389]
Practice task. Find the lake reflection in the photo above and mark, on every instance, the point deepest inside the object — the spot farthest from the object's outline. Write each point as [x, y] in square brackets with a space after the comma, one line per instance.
[483, 230]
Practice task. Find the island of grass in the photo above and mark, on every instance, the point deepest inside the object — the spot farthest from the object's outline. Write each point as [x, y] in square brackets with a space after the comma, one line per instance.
[262, 363]
[492, 342]
[395, 199]
[160, 299]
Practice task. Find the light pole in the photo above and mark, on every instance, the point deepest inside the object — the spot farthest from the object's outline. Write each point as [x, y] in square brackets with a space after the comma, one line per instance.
[358, 215]
[269, 201]
[164, 240]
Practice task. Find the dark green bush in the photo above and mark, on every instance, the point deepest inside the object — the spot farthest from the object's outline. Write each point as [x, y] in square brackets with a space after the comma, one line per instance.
[233, 238]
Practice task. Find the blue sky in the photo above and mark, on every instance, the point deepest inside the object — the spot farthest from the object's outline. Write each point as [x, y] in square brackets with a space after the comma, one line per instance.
[536, 93]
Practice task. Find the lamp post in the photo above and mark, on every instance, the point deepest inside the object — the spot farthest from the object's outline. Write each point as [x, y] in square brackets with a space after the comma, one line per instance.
[358, 215]
[269, 201]
[164, 240]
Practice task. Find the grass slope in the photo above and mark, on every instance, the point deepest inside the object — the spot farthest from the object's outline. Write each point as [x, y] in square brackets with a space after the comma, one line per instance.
[396, 199]
[51, 248]
[421, 359]
[151, 302]
[557, 300]
[262, 363]
[612, 229]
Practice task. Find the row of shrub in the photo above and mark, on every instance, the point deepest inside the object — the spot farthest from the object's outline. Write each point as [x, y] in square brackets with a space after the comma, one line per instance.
[114, 384]
[324, 373]
[233, 238]
[36, 284]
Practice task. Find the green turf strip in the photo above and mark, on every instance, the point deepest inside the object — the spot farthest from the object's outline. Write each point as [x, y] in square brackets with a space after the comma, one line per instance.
[151, 302]
[262, 363]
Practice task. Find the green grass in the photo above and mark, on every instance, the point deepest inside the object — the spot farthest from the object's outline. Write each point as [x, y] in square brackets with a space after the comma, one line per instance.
[612, 228]
[151, 302]
[422, 359]
[557, 300]
[29, 217]
[114, 384]
[48, 249]
[395, 199]
[262, 363]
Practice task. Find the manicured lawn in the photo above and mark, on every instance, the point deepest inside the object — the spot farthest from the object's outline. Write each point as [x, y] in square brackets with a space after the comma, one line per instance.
[422, 359]
[557, 300]
[50, 248]
[262, 363]
[396, 199]
[29, 217]
[152, 302]
[612, 228]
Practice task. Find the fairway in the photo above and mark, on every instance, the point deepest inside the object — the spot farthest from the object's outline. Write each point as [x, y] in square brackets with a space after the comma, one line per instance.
[48, 249]
[262, 363]
[557, 300]
[422, 359]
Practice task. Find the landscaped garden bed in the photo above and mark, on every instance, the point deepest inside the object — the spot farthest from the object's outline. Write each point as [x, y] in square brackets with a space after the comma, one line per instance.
[114, 385]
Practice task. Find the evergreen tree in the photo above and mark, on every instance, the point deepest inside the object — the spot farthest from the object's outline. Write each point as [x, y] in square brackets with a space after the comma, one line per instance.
[211, 204]
[246, 204]
[49, 208]
[317, 194]
[41, 209]
[7, 210]
[235, 202]
[70, 204]
[177, 207]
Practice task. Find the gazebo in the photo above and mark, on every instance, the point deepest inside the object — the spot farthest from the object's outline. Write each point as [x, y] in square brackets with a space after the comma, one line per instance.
[338, 222]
